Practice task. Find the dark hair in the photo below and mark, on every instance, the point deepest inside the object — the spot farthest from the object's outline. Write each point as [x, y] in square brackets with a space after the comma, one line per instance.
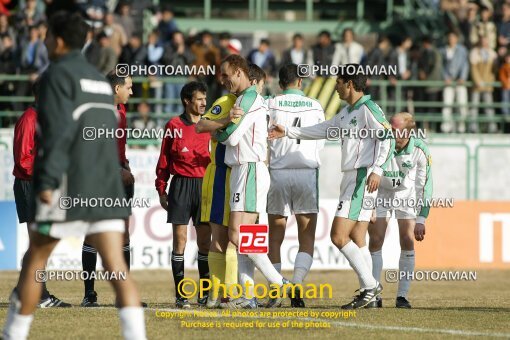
[348, 29]
[426, 40]
[205, 32]
[265, 41]
[359, 81]
[297, 36]
[224, 35]
[70, 27]
[381, 38]
[403, 38]
[101, 35]
[256, 73]
[166, 8]
[190, 88]
[237, 62]
[115, 80]
[326, 33]
[175, 33]
[288, 74]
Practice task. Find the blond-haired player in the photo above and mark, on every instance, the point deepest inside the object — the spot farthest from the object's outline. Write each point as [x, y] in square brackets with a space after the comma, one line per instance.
[405, 189]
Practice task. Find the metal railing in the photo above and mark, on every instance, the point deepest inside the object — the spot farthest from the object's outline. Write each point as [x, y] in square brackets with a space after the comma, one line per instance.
[396, 105]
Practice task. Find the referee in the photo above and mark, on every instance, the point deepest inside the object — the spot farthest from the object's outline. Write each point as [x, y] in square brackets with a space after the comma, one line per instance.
[24, 150]
[185, 155]
[122, 91]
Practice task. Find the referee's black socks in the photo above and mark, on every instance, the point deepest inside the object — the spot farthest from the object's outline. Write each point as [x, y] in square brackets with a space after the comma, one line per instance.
[177, 270]
[203, 268]
[203, 265]
[88, 260]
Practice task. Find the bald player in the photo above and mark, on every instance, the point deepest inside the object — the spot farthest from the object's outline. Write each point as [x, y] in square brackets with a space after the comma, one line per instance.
[407, 178]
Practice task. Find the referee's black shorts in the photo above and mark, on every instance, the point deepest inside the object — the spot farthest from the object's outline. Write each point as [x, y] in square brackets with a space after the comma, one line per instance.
[130, 191]
[25, 200]
[184, 197]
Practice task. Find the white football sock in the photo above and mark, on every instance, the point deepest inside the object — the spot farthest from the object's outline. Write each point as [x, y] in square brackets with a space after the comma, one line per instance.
[17, 326]
[377, 264]
[267, 269]
[405, 264]
[353, 254]
[302, 266]
[366, 255]
[132, 323]
[246, 272]
[368, 260]
[278, 267]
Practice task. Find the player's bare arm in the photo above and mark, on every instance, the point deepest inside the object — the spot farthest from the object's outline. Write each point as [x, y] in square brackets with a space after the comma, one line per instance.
[206, 125]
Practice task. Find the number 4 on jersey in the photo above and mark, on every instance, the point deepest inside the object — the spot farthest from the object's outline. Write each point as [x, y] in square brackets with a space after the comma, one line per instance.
[297, 123]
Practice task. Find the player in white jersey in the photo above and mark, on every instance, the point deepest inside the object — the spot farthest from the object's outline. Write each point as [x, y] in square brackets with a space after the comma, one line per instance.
[365, 154]
[405, 189]
[246, 152]
[294, 170]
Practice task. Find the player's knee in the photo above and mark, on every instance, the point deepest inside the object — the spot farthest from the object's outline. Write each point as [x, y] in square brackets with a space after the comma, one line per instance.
[406, 242]
[38, 251]
[275, 242]
[232, 237]
[179, 245]
[375, 242]
[340, 240]
[204, 245]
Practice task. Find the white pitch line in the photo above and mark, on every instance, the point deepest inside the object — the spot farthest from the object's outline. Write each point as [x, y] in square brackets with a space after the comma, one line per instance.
[416, 329]
[360, 325]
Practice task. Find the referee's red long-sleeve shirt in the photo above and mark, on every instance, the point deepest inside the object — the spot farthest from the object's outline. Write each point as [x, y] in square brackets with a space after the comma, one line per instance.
[121, 142]
[24, 148]
[187, 156]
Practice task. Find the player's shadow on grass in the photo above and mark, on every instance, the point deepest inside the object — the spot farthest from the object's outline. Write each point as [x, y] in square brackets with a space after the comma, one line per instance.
[467, 309]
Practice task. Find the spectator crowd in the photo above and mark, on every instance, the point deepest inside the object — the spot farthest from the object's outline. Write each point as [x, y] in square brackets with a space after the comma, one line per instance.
[476, 51]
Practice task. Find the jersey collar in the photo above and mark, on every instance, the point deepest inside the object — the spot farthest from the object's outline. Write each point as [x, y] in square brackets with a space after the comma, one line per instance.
[358, 103]
[70, 55]
[251, 88]
[408, 149]
[185, 119]
[294, 91]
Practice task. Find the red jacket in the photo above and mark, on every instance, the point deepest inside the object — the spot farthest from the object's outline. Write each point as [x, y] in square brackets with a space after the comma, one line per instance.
[24, 147]
[121, 142]
[187, 156]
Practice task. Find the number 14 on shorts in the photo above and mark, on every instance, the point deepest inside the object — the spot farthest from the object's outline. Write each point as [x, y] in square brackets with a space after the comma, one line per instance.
[253, 239]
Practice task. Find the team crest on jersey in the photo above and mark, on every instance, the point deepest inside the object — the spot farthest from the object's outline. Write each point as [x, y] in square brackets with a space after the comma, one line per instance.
[216, 110]
[353, 121]
[407, 164]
